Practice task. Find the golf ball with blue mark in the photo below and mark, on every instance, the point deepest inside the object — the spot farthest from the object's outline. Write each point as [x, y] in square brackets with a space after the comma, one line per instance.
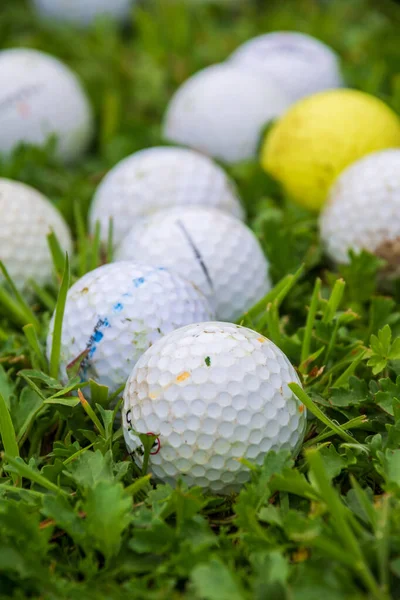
[116, 312]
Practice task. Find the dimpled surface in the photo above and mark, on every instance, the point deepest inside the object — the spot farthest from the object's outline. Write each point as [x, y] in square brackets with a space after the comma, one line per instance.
[320, 136]
[301, 64]
[213, 393]
[117, 311]
[83, 12]
[363, 209]
[26, 218]
[221, 111]
[39, 97]
[215, 251]
[160, 178]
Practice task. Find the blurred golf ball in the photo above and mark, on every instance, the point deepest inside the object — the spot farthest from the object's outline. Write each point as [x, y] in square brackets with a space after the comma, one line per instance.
[301, 64]
[156, 178]
[26, 218]
[321, 135]
[363, 208]
[39, 97]
[212, 249]
[83, 12]
[114, 313]
[221, 111]
[213, 393]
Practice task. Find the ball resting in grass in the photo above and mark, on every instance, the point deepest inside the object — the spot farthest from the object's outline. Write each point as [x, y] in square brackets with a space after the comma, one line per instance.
[213, 393]
[114, 313]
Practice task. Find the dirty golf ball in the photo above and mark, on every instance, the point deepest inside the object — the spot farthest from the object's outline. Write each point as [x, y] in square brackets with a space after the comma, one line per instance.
[26, 218]
[321, 135]
[41, 97]
[363, 208]
[114, 313]
[156, 178]
[221, 111]
[301, 64]
[212, 249]
[83, 12]
[212, 393]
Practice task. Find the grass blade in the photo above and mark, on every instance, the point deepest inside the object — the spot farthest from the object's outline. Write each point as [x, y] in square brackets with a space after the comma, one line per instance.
[272, 318]
[355, 423]
[344, 377]
[138, 485]
[58, 321]
[339, 516]
[13, 310]
[7, 433]
[33, 342]
[382, 534]
[56, 252]
[95, 258]
[27, 472]
[278, 292]
[317, 412]
[305, 349]
[23, 308]
[110, 241]
[44, 296]
[334, 301]
[90, 412]
[83, 247]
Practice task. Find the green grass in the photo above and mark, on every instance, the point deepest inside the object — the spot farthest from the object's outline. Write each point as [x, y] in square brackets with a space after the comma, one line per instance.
[77, 518]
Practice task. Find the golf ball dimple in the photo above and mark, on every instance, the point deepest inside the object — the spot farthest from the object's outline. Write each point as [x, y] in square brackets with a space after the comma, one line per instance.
[213, 393]
[158, 178]
[362, 211]
[83, 12]
[321, 135]
[212, 249]
[26, 218]
[300, 63]
[221, 111]
[116, 312]
[40, 97]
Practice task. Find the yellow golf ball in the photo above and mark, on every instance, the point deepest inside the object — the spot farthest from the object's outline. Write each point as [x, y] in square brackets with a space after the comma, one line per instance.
[321, 135]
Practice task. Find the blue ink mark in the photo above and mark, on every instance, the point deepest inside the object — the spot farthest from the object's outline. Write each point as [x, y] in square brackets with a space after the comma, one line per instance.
[118, 307]
[91, 346]
[97, 336]
[138, 281]
[127, 295]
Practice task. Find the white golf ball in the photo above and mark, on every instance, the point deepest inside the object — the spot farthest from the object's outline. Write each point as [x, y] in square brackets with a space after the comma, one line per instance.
[301, 64]
[83, 12]
[114, 313]
[213, 393]
[156, 178]
[363, 210]
[212, 249]
[40, 97]
[222, 110]
[26, 218]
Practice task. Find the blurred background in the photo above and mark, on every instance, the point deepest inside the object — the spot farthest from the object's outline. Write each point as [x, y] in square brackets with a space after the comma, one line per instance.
[131, 70]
